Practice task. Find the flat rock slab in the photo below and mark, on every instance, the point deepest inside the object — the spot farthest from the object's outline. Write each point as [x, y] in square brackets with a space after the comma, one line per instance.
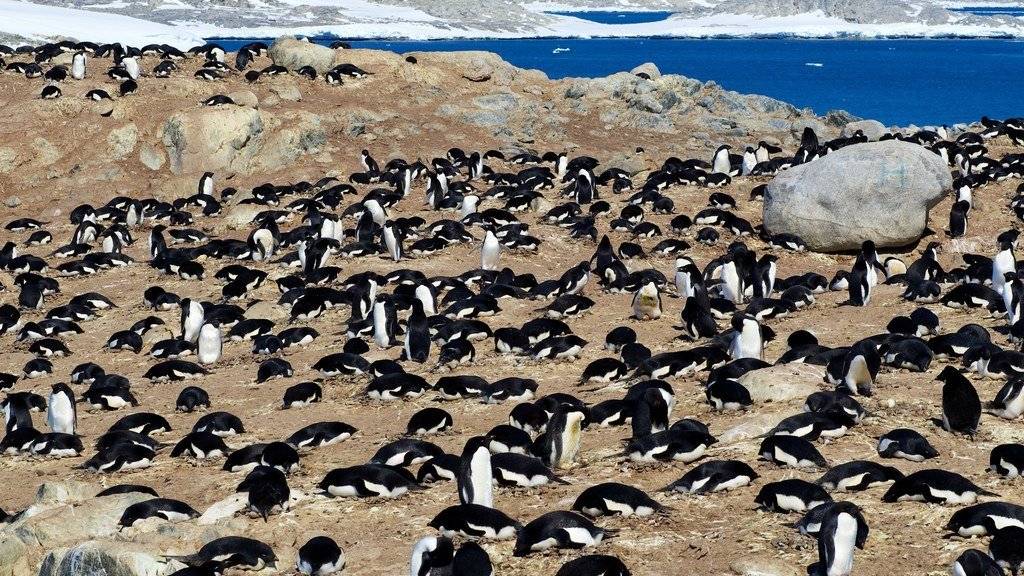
[784, 382]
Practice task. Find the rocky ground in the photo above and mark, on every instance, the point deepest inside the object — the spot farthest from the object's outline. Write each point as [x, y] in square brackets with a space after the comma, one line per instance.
[58, 154]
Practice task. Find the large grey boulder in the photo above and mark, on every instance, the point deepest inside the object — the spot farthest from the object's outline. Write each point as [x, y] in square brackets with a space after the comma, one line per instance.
[873, 129]
[294, 54]
[212, 138]
[880, 191]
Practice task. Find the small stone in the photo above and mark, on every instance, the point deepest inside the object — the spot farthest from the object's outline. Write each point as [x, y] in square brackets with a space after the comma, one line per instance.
[121, 141]
[287, 91]
[151, 157]
[758, 566]
[12, 202]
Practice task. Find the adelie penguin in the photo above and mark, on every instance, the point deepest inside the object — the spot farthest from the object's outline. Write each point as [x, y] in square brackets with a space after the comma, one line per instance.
[475, 477]
[961, 407]
[985, 518]
[209, 345]
[612, 498]
[560, 443]
[429, 421]
[594, 565]
[417, 335]
[791, 451]
[862, 279]
[368, 480]
[232, 552]
[490, 250]
[714, 476]
[973, 562]
[61, 413]
[320, 556]
[475, 521]
[935, 486]
[164, 508]
[431, 555]
[1007, 460]
[1009, 401]
[385, 321]
[559, 529]
[511, 469]
[858, 475]
[321, 434]
[647, 302]
[791, 496]
[842, 530]
[748, 339]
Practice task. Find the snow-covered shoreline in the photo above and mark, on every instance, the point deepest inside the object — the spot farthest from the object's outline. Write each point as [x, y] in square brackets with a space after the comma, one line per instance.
[37, 22]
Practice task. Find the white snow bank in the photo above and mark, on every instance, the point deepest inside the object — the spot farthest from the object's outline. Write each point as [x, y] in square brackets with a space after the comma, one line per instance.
[39, 22]
[364, 19]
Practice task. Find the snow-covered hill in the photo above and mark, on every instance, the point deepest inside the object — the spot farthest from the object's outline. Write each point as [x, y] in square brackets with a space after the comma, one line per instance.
[186, 22]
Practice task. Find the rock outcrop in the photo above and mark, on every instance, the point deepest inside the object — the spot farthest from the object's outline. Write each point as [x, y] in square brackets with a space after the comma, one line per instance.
[294, 54]
[212, 138]
[880, 191]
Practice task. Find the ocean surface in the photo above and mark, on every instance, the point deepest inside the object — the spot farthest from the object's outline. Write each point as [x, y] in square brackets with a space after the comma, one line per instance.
[992, 10]
[901, 82]
[613, 17]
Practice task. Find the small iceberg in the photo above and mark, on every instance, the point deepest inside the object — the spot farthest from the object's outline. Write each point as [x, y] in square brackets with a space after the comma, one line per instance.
[560, 50]
[815, 64]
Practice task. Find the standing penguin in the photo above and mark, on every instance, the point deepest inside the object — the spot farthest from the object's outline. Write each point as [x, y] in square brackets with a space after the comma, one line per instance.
[490, 251]
[687, 276]
[475, 478]
[206, 184]
[749, 161]
[560, 444]
[61, 415]
[961, 407]
[1004, 262]
[860, 284]
[385, 321]
[78, 66]
[748, 342]
[958, 219]
[424, 294]
[192, 317]
[1013, 297]
[380, 217]
[583, 191]
[721, 163]
[131, 66]
[392, 240]
[209, 346]
[843, 529]
[469, 205]
[732, 280]
[417, 335]
[647, 302]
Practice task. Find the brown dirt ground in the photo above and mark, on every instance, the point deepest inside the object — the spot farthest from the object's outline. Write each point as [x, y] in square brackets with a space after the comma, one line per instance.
[703, 535]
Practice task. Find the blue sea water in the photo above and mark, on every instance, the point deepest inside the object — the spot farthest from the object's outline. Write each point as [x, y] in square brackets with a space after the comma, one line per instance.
[896, 81]
[612, 17]
[993, 10]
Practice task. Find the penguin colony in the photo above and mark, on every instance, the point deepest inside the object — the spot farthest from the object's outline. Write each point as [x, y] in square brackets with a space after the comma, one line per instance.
[350, 265]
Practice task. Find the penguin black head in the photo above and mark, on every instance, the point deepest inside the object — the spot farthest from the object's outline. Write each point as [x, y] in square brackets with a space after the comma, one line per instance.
[948, 374]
